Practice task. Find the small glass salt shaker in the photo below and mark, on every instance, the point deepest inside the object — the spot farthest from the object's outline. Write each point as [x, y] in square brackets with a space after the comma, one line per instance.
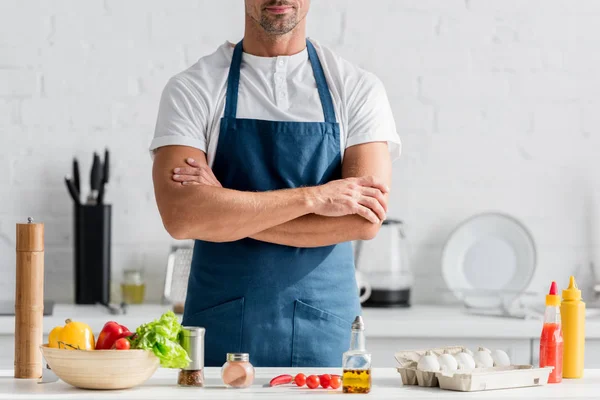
[192, 340]
[237, 372]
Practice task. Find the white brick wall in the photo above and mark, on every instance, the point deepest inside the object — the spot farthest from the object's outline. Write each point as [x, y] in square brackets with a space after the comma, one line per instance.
[496, 102]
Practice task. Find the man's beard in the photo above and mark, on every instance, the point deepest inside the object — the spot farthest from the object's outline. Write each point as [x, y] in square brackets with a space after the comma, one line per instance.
[278, 24]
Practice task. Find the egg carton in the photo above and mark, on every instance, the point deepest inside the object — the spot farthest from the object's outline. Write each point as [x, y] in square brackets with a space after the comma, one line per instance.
[513, 376]
[478, 379]
[408, 360]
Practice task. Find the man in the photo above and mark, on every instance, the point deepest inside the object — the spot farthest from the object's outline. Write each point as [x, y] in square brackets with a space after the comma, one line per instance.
[273, 155]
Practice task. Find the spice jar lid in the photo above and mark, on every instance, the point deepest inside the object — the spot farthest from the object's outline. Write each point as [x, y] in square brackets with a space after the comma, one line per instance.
[238, 357]
[192, 331]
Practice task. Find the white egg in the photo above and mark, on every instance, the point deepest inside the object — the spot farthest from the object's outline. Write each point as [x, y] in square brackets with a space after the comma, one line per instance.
[447, 362]
[483, 358]
[429, 362]
[500, 358]
[465, 361]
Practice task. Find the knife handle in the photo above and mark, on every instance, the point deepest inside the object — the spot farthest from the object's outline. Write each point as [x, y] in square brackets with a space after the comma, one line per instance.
[96, 174]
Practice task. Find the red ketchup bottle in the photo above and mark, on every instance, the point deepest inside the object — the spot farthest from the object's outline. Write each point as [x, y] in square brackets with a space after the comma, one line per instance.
[551, 342]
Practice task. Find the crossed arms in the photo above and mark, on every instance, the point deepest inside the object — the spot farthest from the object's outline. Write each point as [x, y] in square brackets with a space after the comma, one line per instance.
[193, 205]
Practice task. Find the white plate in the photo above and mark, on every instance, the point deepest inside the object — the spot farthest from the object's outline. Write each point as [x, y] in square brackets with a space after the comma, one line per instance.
[489, 260]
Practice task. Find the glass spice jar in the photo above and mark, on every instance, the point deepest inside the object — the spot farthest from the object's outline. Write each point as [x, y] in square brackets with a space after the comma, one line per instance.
[237, 372]
[133, 287]
[192, 340]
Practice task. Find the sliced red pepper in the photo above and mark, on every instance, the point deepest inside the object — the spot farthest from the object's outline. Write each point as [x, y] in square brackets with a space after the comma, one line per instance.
[281, 380]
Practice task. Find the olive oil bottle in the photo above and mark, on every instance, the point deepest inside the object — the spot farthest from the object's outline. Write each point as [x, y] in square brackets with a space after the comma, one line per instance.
[356, 362]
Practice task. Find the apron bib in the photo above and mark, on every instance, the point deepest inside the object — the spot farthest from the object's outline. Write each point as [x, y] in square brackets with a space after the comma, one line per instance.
[286, 306]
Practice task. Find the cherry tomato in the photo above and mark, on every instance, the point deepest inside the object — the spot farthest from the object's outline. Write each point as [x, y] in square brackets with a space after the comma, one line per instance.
[122, 344]
[312, 381]
[336, 381]
[300, 379]
[325, 379]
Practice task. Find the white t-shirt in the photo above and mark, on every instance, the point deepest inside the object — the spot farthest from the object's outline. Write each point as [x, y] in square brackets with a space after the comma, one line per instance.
[275, 89]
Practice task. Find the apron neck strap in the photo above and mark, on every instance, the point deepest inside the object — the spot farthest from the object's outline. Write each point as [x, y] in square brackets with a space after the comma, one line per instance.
[322, 87]
[233, 83]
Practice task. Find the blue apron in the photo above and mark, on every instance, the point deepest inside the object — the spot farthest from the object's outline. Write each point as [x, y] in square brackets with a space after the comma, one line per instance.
[286, 306]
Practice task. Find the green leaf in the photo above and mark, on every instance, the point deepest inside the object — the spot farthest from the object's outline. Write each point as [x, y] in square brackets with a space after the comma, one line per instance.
[162, 337]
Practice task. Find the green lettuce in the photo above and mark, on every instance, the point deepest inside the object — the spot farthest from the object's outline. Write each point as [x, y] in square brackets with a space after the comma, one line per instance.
[162, 337]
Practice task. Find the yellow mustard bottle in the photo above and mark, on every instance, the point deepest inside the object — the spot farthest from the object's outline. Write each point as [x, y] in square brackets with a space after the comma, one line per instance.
[572, 311]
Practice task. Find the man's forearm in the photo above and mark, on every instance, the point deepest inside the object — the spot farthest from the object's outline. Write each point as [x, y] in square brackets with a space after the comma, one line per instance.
[316, 231]
[219, 215]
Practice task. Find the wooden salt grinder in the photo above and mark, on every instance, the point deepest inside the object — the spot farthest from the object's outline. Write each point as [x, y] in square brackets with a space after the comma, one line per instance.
[29, 300]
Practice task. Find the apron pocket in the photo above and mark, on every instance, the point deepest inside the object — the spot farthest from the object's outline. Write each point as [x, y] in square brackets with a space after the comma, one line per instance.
[223, 324]
[320, 338]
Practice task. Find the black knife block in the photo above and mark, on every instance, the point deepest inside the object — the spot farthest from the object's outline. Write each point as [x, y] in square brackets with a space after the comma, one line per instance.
[92, 253]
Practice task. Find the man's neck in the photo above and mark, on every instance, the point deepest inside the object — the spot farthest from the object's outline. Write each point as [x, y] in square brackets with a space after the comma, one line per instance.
[259, 43]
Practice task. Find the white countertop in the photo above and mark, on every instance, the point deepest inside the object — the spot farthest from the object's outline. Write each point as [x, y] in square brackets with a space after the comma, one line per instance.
[386, 385]
[414, 322]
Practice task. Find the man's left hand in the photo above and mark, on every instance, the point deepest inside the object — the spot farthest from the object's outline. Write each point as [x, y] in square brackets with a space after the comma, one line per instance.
[195, 174]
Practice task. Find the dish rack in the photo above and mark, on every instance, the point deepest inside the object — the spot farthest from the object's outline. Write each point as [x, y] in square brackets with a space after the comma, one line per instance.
[478, 379]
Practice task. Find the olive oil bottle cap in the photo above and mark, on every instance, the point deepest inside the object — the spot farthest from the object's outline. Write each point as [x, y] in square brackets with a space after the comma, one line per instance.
[572, 292]
[358, 324]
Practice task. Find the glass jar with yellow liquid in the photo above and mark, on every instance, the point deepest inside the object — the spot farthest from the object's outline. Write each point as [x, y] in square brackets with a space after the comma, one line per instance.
[356, 362]
[133, 287]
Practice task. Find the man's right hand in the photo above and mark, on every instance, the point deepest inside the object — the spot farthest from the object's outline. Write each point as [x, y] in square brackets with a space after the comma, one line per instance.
[364, 196]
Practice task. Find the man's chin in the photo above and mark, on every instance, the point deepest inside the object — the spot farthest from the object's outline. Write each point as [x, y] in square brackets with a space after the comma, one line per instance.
[279, 20]
[279, 28]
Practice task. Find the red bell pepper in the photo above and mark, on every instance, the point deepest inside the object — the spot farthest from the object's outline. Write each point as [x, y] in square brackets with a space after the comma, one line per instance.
[111, 332]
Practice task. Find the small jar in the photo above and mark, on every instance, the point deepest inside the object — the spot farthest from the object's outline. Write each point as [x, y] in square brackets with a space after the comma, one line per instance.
[192, 340]
[237, 372]
[133, 288]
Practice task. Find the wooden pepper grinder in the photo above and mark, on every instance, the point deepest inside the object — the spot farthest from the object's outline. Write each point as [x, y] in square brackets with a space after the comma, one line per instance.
[29, 300]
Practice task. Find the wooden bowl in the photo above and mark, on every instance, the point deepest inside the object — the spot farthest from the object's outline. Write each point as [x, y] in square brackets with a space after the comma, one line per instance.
[101, 369]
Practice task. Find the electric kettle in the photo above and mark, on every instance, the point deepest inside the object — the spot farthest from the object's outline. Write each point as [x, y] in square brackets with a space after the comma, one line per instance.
[384, 262]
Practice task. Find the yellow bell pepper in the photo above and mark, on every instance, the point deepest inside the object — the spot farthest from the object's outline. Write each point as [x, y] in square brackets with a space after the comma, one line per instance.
[73, 336]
